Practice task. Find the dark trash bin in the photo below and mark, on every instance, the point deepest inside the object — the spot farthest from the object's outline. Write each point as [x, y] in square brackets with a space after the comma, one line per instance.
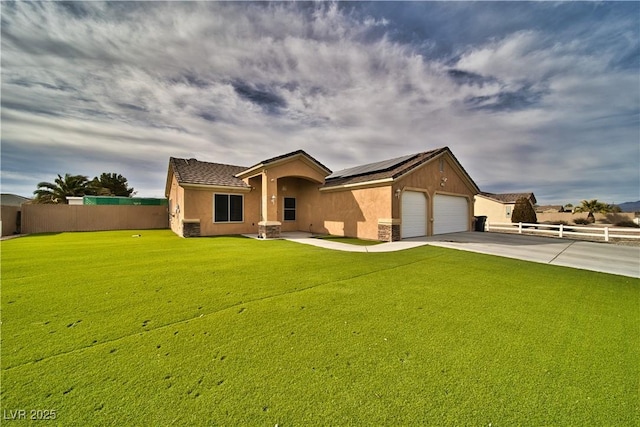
[480, 223]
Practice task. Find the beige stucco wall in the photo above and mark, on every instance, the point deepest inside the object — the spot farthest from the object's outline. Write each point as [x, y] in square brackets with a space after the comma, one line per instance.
[302, 190]
[353, 212]
[343, 213]
[8, 217]
[295, 168]
[176, 206]
[569, 217]
[428, 178]
[288, 174]
[58, 218]
[198, 204]
[494, 211]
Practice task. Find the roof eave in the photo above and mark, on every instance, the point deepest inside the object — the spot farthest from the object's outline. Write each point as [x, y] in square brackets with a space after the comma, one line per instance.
[372, 183]
[249, 172]
[255, 170]
[484, 196]
[216, 187]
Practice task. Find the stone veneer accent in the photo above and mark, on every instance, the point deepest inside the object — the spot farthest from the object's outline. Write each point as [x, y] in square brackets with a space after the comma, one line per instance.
[388, 230]
[191, 228]
[269, 229]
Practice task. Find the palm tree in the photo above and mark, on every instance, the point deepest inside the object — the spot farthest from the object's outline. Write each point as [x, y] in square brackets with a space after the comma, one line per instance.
[61, 188]
[593, 206]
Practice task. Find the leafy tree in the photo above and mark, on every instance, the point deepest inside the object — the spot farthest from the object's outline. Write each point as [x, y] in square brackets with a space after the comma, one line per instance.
[524, 212]
[61, 188]
[593, 206]
[111, 184]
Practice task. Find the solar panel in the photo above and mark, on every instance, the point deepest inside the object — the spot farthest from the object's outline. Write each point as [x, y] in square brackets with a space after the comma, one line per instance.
[370, 167]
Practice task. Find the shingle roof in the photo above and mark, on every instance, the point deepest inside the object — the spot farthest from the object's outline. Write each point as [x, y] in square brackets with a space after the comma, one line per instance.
[509, 197]
[192, 171]
[7, 199]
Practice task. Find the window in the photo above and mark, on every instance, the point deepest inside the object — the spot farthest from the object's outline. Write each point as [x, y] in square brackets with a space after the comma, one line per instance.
[441, 164]
[289, 209]
[228, 208]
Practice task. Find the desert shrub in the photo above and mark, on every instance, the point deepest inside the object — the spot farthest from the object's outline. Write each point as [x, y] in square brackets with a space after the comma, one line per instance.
[627, 224]
[581, 221]
[524, 212]
[556, 222]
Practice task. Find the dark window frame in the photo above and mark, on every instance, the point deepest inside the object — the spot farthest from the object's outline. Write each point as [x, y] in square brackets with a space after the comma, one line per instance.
[288, 211]
[230, 211]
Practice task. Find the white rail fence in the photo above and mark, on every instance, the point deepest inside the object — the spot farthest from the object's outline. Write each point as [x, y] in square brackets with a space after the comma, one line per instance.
[561, 230]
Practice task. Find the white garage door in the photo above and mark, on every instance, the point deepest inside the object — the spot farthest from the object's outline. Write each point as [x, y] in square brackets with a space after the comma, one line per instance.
[450, 214]
[414, 214]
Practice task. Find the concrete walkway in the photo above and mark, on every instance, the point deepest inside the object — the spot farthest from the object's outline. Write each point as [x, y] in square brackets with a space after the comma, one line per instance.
[602, 257]
[11, 236]
[308, 239]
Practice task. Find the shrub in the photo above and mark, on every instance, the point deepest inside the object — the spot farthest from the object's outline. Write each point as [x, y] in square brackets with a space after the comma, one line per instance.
[565, 224]
[524, 212]
[556, 222]
[581, 221]
[627, 224]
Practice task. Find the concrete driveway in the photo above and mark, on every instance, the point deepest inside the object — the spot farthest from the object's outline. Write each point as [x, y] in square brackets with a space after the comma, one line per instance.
[603, 257]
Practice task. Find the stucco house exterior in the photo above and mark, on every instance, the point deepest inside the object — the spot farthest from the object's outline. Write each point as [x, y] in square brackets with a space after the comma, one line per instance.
[551, 209]
[499, 207]
[11, 213]
[416, 195]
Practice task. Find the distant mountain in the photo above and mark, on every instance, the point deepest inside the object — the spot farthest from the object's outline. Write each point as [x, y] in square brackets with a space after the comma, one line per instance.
[630, 206]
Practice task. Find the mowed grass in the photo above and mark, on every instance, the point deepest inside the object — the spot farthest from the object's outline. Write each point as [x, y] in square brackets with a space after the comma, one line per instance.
[106, 329]
[349, 240]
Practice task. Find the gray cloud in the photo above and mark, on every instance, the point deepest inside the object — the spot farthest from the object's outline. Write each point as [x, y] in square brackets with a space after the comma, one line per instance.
[545, 101]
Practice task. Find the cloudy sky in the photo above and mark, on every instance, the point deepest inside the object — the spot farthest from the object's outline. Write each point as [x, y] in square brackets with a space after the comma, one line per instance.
[541, 97]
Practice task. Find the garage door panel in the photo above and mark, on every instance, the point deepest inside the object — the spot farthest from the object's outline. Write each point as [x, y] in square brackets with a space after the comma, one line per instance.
[414, 214]
[450, 213]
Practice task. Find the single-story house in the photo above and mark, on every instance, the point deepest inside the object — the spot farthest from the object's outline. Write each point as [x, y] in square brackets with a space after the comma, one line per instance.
[499, 207]
[10, 213]
[416, 195]
[550, 209]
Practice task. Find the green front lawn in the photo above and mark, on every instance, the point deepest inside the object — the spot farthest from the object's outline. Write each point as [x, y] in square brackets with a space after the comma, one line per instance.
[349, 240]
[107, 329]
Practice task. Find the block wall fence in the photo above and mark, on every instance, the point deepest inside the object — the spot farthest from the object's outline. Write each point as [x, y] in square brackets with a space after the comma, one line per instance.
[37, 218]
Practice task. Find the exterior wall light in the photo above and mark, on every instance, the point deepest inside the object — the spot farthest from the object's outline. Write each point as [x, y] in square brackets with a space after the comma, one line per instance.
[273, 198]
[398, 191]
